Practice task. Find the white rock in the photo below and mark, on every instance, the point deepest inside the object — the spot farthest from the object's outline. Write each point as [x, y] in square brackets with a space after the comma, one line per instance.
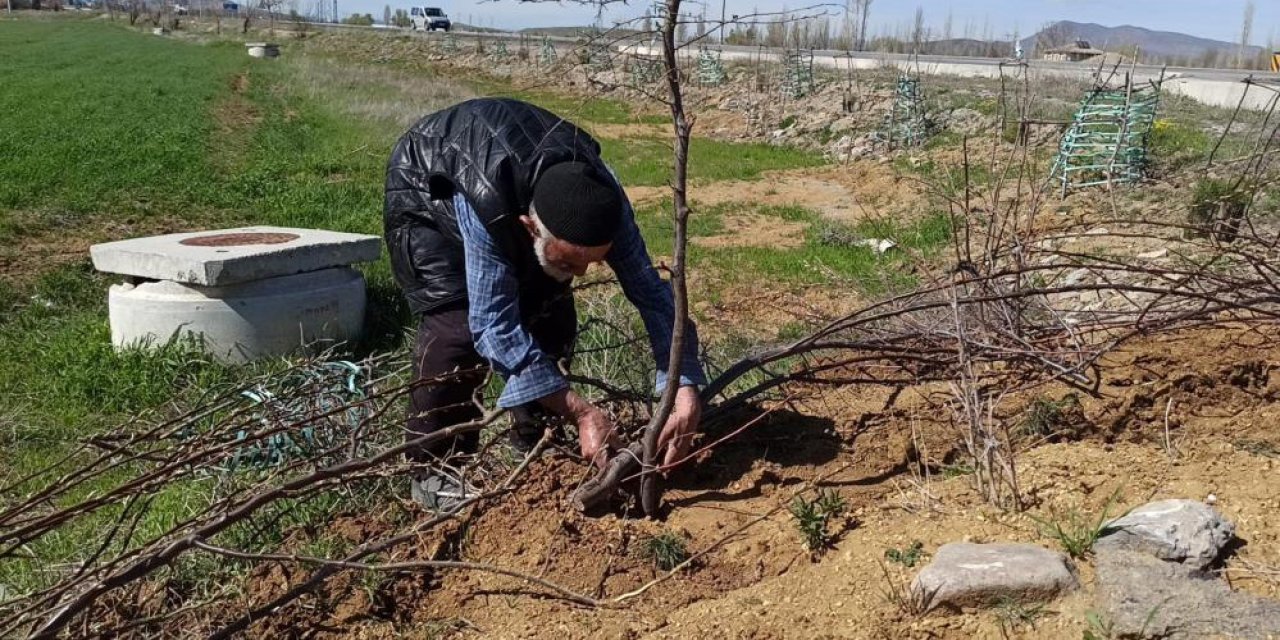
[974, 575]
[263, 49]
[1153, 255]
[1185, 531]
[879, 245]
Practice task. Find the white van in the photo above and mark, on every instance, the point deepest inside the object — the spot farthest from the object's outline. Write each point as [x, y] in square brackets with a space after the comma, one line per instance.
[428, 19]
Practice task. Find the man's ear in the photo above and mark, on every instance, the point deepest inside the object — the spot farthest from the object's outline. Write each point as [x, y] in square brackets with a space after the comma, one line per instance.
[530, 225]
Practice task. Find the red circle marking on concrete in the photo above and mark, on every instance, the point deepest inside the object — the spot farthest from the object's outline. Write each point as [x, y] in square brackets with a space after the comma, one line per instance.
[239, 239]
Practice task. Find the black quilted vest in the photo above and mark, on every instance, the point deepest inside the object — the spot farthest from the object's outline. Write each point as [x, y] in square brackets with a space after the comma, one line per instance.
[492, 150]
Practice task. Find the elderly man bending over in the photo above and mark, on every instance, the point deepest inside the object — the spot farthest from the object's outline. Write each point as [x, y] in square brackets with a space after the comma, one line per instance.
[492, 207]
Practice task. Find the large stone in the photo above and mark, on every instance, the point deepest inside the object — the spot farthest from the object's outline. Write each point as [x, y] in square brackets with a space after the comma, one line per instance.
[1140, 595]
[231, 256]
[975, 575]
[1185, 531]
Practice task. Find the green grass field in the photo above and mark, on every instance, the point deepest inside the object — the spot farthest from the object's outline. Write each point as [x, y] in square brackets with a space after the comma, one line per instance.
[80, 139]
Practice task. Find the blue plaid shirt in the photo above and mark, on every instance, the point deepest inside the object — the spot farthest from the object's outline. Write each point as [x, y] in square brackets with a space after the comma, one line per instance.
[494, 311]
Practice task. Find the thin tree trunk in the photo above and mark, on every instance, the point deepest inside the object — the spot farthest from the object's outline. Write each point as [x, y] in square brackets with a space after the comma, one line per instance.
[649, 497]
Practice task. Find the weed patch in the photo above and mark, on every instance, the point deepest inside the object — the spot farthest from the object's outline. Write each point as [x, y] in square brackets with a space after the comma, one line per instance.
[1076, 533]
[665, 551]
[813, 518]
[1218, 206]
[1178, 145]
[908, 601]
[907, 556]
[1013, 614]
[1053, 419]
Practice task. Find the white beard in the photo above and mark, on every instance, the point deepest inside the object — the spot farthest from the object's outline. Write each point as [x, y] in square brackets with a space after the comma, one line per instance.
[540, 249]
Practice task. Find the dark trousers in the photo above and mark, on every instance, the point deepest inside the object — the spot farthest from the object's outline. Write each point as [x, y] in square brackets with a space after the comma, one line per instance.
[448, 372]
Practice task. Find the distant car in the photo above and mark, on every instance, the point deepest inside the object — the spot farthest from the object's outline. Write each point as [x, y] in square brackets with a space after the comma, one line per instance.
[429, 19]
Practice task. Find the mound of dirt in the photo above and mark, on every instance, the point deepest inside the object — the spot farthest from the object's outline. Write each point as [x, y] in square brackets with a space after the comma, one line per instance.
[1190, 415]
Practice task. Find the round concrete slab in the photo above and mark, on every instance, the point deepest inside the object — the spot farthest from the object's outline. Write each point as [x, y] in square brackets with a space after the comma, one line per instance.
[231, 256]
[244, 322]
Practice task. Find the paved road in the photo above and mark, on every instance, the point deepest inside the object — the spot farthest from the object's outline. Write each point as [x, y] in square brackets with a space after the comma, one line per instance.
[1229, 75]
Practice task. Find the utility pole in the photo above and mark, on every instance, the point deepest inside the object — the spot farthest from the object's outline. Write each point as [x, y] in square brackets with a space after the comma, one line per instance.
[723, 29]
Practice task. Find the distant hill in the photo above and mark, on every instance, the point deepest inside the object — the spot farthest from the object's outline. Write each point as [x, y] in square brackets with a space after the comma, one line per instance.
[1158, 44]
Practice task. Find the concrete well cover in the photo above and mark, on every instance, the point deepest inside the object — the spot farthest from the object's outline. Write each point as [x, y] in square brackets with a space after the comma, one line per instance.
[230, 256]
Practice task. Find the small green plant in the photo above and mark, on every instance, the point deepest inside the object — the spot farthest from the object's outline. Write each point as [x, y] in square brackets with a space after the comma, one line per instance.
[1178, 145]
[1099, 629]
[666, 550]
[1012, 613]
[1218, 205]
[813, 517]
[1075, 533]
[1047, 418]
[956, 469]
[787, 122]
[909, 601]
[372, 583]
[907, 557]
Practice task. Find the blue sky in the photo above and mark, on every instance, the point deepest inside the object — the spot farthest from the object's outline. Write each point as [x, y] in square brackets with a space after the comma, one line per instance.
[1218, 19]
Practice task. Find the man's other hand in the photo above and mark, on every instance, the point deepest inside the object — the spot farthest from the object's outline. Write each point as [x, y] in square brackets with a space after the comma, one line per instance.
[595, 430]
[595, 435]
[681, 427]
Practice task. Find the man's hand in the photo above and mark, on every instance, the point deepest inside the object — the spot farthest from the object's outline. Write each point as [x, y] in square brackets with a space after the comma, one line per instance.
[595, 431]
[681, 427]
[595, 435]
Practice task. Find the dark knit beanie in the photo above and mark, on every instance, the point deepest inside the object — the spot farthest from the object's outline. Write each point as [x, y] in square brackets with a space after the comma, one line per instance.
[577, 204]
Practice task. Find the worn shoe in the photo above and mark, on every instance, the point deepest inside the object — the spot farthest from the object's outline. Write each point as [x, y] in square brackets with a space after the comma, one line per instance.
[440, 491]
